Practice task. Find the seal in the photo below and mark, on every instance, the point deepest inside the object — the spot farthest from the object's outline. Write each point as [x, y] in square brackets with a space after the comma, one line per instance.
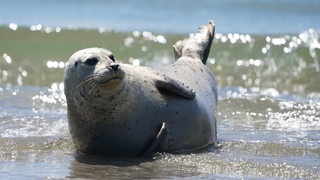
[124, 110]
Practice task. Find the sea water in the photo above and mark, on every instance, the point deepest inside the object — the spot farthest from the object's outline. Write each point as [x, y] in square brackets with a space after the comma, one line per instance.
[265, 58]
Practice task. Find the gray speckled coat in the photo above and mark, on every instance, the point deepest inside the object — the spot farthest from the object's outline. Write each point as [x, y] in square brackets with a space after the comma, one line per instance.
[120, 109]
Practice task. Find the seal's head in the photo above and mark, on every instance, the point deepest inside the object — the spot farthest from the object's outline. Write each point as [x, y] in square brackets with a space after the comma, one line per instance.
[92, 73]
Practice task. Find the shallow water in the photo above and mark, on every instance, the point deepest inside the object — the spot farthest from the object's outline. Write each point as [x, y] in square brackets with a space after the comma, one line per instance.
[268, 83]
[280, 142]
[268, 120]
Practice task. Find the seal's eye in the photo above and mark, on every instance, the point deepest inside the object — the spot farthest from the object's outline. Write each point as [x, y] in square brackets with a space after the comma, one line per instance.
[91, 61]
[112, 58]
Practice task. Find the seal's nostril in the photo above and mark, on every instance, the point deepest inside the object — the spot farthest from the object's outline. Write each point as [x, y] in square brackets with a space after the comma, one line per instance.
[114, 67]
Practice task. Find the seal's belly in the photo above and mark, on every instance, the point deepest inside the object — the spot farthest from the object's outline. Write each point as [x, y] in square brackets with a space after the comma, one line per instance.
[190, 122]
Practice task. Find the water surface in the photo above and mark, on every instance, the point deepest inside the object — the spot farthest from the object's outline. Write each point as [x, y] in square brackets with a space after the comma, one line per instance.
[268, 83]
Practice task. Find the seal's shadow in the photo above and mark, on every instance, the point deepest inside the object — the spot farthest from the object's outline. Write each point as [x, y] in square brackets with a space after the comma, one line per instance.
[158, 165]
[109, 160]
[102, 167]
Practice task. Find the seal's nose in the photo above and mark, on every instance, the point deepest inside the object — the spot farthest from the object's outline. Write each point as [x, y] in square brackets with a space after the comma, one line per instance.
[114, 66]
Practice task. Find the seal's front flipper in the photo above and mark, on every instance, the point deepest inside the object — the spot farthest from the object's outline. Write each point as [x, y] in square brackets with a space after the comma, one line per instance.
[170, 86]
[161, 142]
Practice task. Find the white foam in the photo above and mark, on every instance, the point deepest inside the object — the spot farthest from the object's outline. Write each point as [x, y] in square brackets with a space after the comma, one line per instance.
[295, 117]
[35, 126]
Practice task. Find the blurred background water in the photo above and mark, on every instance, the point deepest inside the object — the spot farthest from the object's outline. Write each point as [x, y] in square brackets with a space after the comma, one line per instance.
[265, 57]
[241, 16]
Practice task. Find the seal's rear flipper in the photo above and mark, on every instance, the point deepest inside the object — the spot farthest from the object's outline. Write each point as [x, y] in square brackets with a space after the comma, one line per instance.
[161, 142]
[170, 86]
[197, 45]
[210, 33]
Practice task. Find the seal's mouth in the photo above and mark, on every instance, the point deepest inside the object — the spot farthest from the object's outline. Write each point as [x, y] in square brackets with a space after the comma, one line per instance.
[112, 79]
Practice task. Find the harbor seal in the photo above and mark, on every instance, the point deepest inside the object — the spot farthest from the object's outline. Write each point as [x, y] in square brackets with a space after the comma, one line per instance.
[125, 110]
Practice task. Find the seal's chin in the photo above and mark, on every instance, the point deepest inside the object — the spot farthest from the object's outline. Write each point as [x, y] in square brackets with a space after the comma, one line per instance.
[111, 81]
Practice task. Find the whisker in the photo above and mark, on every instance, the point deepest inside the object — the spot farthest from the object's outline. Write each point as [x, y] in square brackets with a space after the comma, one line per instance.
[88, 79]
[92, 86]
[91, 82]
[95, 84]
